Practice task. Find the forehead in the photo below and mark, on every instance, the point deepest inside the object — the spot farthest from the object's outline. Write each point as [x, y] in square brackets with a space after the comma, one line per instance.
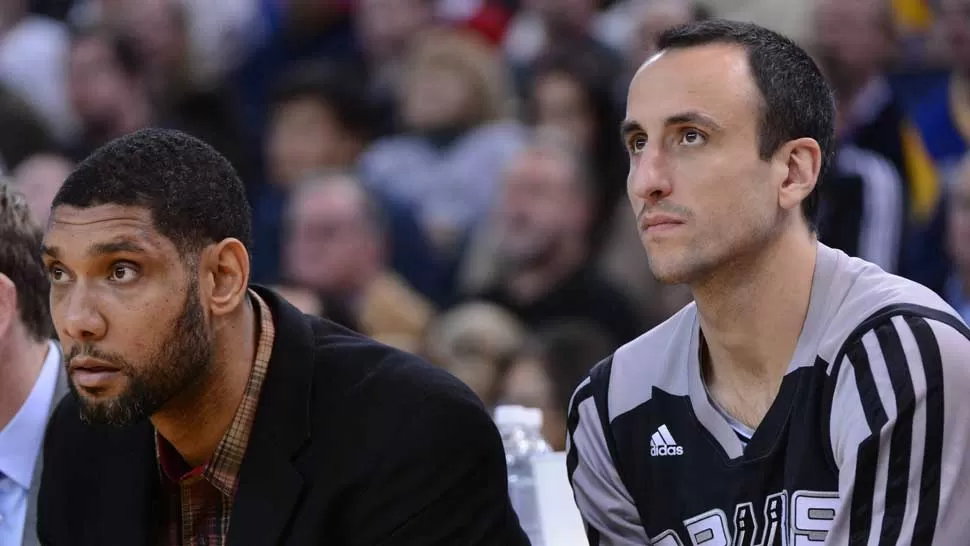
[540, 166]
[711, 79]
[338, 196]
[73, 229]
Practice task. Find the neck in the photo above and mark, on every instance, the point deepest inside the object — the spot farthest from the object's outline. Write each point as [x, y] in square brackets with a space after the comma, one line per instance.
[532, 282]
[23, 360]
[196, 421]
[752, 312]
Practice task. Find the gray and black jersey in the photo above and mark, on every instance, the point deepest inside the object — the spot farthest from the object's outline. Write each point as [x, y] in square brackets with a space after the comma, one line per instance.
[867, 442]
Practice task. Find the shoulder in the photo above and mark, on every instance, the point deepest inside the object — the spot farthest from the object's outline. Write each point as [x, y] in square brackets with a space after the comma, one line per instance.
[654, 360]
[356, 371]
[863, 297]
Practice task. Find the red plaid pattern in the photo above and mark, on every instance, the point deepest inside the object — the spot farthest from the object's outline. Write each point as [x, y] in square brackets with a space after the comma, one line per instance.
[200, 500]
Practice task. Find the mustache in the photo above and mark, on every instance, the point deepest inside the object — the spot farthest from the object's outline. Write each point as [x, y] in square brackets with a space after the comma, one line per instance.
[92, 352]
[666, 208]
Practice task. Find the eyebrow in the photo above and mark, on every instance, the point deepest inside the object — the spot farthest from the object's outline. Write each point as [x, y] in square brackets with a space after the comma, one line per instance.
[101, 249]
[630, 126]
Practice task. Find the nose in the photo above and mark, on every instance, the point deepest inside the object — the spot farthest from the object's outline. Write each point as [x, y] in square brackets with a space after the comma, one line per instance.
[649, 178]
[82, 320]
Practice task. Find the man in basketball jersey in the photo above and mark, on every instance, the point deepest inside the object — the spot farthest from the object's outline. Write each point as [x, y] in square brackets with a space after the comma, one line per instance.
[805, 397]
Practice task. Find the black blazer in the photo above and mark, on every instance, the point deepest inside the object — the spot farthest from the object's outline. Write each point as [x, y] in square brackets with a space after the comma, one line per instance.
[354, 443]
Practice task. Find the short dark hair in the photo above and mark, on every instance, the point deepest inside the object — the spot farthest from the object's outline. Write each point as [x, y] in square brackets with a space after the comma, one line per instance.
[192, 191]
[340, 91]
[798, 101]
[20, 261]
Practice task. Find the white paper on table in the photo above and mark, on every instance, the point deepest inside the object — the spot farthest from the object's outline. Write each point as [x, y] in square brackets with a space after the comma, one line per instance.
[558, 515]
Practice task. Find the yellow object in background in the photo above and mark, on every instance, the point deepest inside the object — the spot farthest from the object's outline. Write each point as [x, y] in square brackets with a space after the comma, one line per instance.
[912, 15]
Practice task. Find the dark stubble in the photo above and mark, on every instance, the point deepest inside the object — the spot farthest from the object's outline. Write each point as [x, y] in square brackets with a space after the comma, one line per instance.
[179, 364]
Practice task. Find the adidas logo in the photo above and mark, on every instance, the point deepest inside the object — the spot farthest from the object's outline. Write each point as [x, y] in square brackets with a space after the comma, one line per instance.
[662, 444]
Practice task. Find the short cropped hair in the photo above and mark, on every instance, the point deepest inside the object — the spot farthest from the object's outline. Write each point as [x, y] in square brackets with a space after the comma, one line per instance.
[192, 191]
[21, 262]
[798, 102]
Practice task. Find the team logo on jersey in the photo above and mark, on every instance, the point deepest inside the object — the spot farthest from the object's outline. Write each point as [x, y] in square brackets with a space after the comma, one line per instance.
[662, 444]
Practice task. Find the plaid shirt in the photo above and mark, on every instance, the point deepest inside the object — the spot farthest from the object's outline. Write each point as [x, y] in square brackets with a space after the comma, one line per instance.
[200, 500]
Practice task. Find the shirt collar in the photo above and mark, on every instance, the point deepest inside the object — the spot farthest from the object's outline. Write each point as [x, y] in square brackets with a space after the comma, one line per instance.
[21, 439]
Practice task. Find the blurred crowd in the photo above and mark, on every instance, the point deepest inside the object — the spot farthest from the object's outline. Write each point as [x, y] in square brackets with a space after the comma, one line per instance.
[446, 176]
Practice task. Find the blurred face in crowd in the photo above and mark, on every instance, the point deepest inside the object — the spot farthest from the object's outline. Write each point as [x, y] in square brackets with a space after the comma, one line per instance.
[544, 206]
[98, 83]
[387, 26]
[159, 32]
[854, 40]
[333, 247]
[528, 384]
[562, 104]
[39, 178]
[439, 97]
[305, 136]
[955, 16]
[127, 311]
[959, 222]
[652, 18]
[701, 193]
[569, 14]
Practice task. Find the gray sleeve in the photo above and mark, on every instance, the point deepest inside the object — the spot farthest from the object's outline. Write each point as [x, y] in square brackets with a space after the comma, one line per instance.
[900, 433]
[607, 508]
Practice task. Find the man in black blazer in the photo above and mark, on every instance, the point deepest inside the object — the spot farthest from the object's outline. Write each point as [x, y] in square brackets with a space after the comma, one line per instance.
[209, 412]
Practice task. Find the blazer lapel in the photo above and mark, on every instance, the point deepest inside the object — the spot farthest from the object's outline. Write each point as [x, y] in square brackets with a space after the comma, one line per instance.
[269, 483]
[127, 506]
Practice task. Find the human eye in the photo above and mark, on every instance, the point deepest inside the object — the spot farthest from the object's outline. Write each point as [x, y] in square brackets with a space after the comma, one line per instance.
[57, 274]
[123, 272]
[636, 143]
[692, 137]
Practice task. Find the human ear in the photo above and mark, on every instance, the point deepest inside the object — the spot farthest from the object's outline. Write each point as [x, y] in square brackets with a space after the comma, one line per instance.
[225, 265]
[803, 162]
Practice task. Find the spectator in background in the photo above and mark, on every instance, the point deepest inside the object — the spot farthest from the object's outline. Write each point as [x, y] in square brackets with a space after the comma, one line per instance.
[571, 93]
[855, 43]
[107, 88]
[546, 372]
[941, 118]
[475, 341]
[454, 103]
[24, 133]
[320, 121]
[542, 24]
[160, 32]
[33, 64]
[31, 378]
[544, 272]
[650, 18]
[386, 30]
[39, 178]
[958, 240]
[862, 204]
[336, 247]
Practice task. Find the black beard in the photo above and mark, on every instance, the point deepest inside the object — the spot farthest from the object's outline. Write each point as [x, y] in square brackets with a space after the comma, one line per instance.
[181, 362]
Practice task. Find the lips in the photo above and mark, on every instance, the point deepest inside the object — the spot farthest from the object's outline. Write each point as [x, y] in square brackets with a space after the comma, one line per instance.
[659, 223]
[91, 373]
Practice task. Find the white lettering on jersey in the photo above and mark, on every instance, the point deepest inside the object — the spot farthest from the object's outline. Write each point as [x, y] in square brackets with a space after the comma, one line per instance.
[805, 522]
[812, 516]
[709, 529]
